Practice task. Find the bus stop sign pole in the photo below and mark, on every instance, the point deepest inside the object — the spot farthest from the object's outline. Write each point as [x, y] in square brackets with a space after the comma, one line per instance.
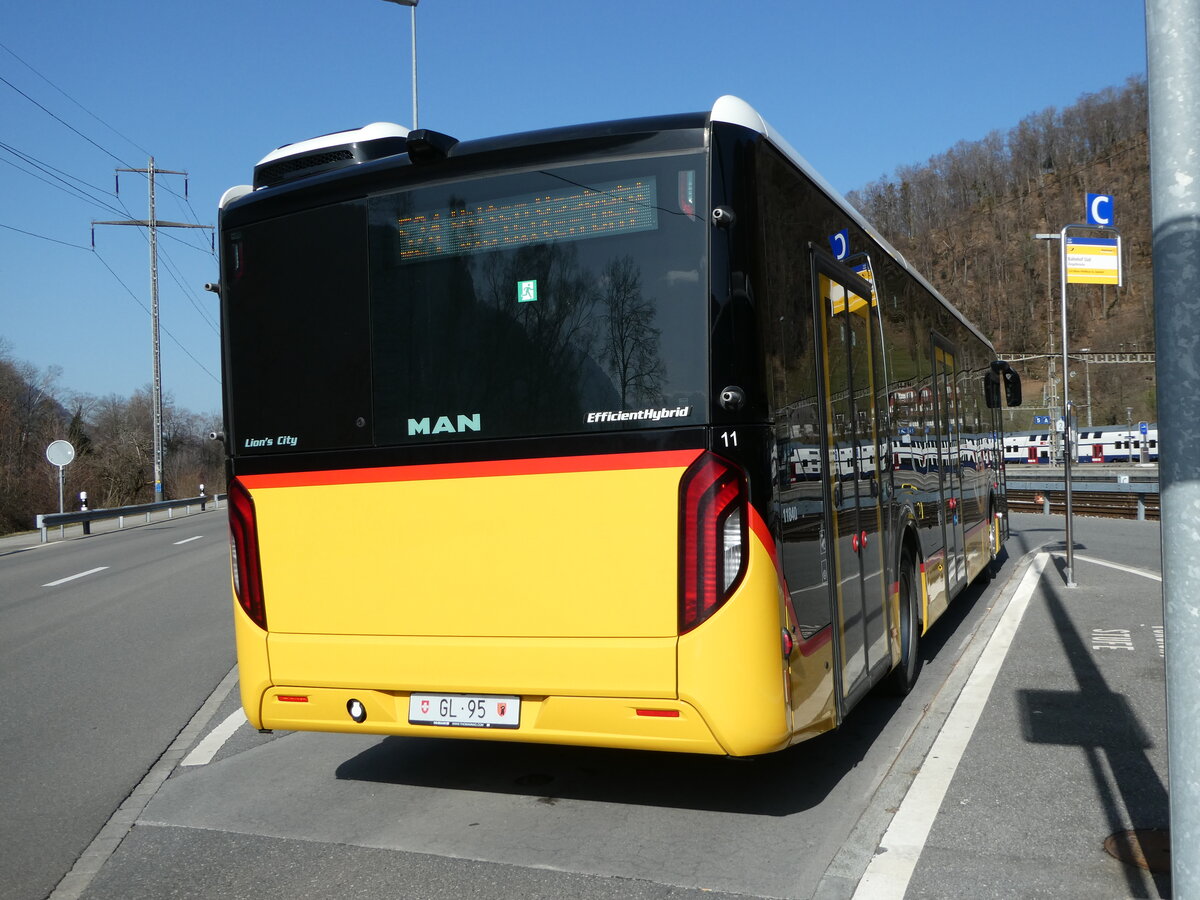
[1092, 276]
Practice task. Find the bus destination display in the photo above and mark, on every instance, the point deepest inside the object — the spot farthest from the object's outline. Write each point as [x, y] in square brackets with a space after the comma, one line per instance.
[571, 213]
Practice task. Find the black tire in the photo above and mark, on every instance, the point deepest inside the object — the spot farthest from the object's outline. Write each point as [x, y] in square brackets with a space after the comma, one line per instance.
[902, 678]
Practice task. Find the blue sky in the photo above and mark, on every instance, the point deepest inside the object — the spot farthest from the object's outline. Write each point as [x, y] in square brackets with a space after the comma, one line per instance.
[212, 87]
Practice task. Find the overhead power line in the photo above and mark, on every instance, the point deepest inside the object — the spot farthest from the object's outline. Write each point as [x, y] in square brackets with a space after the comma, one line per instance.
[75, 130]
[189, 293]
[44, 237]
[138, 301]
[63, 181]
[124, 137]
[128, 290]
[63, 122]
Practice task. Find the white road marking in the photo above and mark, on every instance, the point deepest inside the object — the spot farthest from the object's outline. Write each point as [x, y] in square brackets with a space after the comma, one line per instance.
[892, 867]
[1112, 639]
[204, 751]
[189, 540]
[73, 577]
[1112, 565]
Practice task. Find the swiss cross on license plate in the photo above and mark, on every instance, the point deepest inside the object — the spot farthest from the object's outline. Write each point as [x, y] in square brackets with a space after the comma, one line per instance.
[465, 710]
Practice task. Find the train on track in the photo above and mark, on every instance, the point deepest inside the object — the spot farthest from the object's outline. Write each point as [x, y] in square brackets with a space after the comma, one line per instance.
[1102, 444]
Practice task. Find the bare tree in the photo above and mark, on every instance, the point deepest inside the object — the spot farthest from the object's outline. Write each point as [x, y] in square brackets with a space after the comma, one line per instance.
[632, 342]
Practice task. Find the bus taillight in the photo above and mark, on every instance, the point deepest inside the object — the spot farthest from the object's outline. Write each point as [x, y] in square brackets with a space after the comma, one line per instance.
[712, 537]
[243, 542]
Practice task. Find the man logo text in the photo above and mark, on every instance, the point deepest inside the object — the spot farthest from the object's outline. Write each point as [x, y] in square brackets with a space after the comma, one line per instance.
[444, 425]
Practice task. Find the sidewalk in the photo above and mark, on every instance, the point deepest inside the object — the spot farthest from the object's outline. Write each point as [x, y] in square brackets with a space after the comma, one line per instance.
[1067, 750]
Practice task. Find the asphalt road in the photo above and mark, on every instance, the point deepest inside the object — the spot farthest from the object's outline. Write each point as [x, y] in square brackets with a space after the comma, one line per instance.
[100, 672]
[105, 669]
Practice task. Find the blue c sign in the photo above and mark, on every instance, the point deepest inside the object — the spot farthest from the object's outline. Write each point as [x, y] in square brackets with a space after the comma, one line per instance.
[1100, 209]
[840, 243]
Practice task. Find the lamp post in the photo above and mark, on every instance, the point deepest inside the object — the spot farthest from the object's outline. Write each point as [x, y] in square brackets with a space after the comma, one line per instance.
[412, 5]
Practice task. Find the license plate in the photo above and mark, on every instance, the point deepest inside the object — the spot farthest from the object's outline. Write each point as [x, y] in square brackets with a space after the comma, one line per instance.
[464, 710]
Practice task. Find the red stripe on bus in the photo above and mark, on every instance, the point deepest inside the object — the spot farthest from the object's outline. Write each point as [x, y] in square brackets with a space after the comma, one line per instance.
[550, 465]
[816, 642]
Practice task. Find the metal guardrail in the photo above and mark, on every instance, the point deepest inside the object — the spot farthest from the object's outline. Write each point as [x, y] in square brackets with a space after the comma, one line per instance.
[86, 517]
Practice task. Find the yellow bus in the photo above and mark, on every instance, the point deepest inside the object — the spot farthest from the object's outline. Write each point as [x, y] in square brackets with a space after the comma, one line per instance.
[631, 434]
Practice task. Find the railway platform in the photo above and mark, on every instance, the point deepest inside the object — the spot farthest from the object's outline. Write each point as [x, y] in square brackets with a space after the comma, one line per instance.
[1048, 777]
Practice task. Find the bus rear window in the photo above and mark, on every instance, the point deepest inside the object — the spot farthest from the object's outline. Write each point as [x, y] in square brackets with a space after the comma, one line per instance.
[544, 302]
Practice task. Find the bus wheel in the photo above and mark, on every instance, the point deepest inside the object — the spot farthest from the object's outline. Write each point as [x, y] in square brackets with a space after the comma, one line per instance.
[902, 678]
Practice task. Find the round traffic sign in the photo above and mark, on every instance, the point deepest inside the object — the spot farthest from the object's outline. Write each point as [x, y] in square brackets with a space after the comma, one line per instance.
[60, 453]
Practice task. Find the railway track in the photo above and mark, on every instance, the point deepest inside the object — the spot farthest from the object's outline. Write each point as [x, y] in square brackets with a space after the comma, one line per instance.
[1102, 504]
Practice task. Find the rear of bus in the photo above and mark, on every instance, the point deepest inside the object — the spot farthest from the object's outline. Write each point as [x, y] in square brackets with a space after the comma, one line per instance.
[475, 490]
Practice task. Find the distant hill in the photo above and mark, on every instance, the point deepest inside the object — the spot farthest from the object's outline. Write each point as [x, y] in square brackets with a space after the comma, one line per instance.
[967, 219]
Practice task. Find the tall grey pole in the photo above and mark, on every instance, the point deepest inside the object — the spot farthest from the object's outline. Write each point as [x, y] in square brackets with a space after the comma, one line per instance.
[412, 5]
[156, 387]
[1173, 78]
[413, 10]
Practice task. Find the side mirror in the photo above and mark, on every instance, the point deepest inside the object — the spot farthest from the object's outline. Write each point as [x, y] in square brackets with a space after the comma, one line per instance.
[1001, 371]
[1012, 387]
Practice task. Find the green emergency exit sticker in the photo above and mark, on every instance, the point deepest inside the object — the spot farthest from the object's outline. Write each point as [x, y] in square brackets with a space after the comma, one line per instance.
[527, 291]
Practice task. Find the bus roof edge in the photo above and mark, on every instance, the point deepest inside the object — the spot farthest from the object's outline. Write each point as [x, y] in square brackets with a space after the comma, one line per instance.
[737, 111]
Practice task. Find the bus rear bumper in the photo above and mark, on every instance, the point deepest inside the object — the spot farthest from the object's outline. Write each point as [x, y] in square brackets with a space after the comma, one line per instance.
[624, 723]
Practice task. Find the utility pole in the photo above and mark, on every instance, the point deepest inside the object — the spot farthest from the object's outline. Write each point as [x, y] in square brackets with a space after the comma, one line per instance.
[153, 224]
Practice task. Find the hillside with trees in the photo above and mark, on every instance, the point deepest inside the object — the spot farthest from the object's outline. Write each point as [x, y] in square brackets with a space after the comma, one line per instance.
[966, 219]
[114, 447]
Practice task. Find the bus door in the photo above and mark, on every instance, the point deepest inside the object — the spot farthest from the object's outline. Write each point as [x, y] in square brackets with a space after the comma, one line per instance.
[949, 421]
[855, 460]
